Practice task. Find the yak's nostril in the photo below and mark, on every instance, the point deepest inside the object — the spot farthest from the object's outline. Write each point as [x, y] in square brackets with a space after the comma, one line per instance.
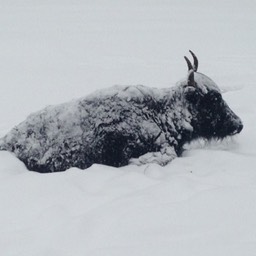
[237, 129]
[240, 128]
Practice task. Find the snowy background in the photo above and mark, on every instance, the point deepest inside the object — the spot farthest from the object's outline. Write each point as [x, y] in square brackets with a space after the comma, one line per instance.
[201, 204]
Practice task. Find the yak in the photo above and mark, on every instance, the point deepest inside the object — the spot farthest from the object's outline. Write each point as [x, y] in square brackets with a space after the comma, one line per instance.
[124, 124]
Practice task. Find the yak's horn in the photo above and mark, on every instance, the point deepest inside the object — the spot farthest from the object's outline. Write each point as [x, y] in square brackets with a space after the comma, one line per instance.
[195, 67]
[191, 80]
[189, 63]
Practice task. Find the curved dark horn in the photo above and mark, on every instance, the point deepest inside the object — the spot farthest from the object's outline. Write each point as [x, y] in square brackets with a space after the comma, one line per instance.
[191, 80]
[195, 67]
[189, 63]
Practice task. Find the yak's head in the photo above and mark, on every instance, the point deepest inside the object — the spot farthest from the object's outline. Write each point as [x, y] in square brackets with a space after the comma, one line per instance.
[211, 116]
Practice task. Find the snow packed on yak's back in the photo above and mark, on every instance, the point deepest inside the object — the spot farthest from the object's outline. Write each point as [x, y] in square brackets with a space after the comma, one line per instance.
[45, 132]
[202, 203]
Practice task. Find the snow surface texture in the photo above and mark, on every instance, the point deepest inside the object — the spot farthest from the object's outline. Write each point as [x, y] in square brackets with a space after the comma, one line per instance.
[202, 203]
[122, 124]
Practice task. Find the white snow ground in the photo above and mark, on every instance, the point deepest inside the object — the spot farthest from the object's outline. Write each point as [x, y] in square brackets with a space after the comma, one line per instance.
[203, 203]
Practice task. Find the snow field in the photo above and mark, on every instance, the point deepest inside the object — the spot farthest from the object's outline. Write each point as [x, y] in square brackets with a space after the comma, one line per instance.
[200, 204]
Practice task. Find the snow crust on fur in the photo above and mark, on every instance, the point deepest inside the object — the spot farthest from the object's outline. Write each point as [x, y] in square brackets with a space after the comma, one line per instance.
[114, 126]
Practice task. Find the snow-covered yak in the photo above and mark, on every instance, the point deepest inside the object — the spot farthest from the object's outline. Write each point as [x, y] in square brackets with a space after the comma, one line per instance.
[122, 125]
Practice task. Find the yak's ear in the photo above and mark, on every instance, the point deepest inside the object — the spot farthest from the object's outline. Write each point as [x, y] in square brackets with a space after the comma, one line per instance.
[191, 80]
[192, 94]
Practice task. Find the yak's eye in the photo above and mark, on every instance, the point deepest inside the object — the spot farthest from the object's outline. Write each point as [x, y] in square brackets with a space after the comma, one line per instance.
[213, 97]
[192, 95]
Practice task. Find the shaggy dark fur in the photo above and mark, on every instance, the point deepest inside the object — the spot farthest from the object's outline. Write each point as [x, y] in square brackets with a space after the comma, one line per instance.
[123, 124]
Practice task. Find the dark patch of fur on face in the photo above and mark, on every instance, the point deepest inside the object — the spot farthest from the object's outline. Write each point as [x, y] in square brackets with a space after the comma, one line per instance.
[213, 119]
